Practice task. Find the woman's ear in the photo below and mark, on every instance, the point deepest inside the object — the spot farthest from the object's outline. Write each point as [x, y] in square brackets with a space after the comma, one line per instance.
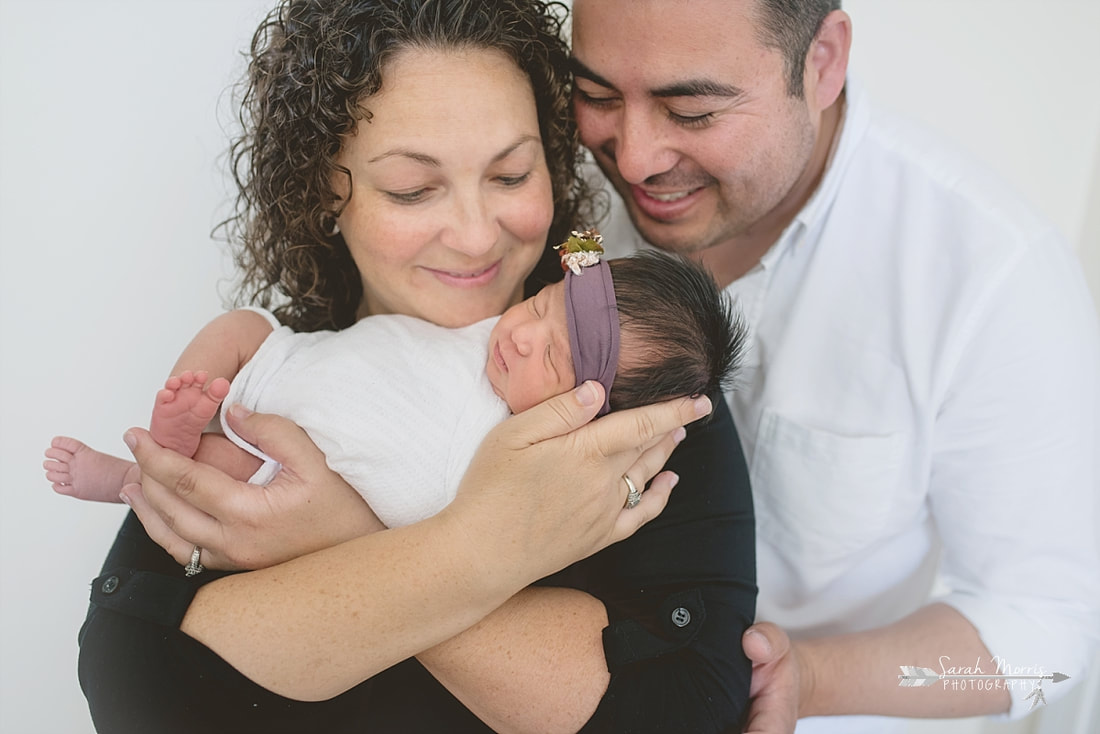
[827, 60]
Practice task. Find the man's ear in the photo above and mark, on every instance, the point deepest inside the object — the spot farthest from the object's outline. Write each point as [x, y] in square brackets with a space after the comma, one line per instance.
[827, 60]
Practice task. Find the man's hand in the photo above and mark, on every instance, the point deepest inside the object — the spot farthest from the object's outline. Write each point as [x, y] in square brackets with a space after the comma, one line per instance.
[778, 680]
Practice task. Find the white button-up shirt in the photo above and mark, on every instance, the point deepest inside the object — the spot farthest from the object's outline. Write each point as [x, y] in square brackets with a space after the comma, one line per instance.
[921, 395]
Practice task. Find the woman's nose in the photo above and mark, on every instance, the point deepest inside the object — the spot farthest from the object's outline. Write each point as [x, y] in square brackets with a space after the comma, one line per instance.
[475, 229]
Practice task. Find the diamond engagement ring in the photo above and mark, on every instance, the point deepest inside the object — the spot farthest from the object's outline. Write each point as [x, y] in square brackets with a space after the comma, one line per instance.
[633, 497]
[194, 567]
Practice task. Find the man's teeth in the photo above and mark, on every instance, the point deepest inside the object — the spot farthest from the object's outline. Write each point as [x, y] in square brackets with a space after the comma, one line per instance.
[670, 197]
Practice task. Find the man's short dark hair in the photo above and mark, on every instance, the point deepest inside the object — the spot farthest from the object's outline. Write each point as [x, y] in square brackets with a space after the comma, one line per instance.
[680, 335]
[791, 26]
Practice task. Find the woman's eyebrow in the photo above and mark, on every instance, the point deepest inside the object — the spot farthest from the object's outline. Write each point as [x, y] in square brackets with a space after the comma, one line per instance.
[429, 160]
[424, 158]
[523, 140]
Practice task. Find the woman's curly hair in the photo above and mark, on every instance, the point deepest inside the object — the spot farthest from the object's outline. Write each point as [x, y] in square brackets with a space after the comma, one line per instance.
[312, 63]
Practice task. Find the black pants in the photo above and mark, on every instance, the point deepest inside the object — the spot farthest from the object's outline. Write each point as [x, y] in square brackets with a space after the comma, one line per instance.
[679, 594]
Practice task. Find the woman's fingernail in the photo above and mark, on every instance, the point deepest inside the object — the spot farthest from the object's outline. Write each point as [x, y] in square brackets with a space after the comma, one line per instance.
[673, 480]
[586, 394]
[679, 434]
[125, 500]
[130, 440]
[239, 411]
[702, 406]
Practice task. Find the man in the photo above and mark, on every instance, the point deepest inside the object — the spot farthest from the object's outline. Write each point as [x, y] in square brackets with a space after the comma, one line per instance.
[921, 392]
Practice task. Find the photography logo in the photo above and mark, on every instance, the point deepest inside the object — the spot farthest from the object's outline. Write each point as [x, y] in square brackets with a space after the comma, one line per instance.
[917, 677]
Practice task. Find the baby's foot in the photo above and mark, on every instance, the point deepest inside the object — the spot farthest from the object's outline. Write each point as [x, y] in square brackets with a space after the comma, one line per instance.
[184, 408]
[76, 470]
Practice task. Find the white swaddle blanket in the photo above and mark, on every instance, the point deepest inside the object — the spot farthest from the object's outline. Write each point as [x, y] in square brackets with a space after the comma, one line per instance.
[398, 405]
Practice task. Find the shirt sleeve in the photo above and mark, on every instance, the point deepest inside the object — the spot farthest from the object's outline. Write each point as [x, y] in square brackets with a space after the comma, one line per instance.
[679, 594]
[1013, 483]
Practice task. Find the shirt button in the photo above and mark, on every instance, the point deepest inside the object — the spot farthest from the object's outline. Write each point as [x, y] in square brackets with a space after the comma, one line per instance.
[681, 617]
[110, 585]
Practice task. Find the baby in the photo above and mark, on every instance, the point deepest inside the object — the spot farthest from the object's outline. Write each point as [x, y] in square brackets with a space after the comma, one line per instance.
[659, 328]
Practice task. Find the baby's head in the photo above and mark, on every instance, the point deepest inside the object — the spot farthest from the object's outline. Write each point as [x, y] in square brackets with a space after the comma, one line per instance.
[650, 327]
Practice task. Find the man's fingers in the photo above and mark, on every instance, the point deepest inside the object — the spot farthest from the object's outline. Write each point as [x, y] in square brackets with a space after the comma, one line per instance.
[772, 713]
[765, 643]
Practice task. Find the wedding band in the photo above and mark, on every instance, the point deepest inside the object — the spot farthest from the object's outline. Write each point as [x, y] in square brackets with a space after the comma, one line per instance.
[633, 496]
[194, 567]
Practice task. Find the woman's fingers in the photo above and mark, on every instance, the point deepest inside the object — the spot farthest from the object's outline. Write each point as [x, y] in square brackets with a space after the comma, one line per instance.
[646, 466]
[624, 431]
[160, 531]
[653, 502]
[555, 417]
[306, 507]
[277, 437]
[176, 497]
[636, 429]
[173, 475]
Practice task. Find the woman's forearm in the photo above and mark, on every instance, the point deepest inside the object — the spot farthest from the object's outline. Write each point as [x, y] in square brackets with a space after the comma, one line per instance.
[293, 631]
[536, 664]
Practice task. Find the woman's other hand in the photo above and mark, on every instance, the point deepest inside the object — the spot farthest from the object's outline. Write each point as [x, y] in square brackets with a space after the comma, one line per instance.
[306, 507]
[548, 490]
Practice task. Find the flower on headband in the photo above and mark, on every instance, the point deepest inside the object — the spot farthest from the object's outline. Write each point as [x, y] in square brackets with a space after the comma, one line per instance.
[581, 250]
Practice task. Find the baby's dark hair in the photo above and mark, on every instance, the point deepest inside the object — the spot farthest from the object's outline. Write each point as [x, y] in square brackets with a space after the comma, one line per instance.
[679, 333]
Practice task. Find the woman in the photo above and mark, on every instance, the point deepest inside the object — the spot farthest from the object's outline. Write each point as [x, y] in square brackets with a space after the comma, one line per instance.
[411, 156]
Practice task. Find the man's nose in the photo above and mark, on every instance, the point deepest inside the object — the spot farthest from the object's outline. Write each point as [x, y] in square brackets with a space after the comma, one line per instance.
[641, 148]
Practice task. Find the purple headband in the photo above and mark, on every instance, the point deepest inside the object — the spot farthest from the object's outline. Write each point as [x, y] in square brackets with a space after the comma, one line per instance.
[593, 322]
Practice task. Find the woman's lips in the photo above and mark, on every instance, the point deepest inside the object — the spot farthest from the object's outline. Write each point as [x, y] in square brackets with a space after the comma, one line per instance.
[467, 278]
[665, 205]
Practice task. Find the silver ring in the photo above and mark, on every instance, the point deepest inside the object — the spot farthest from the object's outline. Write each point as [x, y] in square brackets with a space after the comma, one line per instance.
[194, 567]
[633, 496]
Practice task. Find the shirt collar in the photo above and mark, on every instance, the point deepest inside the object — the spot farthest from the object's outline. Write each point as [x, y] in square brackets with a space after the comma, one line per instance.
[854, 120]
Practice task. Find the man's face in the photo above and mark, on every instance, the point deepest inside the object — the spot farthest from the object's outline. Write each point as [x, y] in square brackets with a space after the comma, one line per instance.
[688, 115]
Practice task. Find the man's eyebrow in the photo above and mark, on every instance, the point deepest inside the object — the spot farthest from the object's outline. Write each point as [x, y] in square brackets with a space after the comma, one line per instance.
[579, 69]
[687, 88]
[698, 88]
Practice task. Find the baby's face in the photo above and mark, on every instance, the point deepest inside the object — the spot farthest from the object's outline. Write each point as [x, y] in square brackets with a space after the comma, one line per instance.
[529, 358]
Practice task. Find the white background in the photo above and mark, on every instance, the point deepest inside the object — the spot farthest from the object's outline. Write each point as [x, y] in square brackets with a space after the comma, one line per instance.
[112, 126]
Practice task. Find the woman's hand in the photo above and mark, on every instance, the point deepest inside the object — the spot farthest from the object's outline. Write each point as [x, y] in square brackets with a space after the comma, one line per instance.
[183, 503]
[552, 487]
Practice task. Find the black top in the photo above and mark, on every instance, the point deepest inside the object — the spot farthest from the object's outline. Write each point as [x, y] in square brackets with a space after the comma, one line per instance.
[679, 594]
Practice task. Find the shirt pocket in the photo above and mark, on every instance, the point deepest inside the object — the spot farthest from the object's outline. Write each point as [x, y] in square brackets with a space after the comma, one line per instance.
[822, 496]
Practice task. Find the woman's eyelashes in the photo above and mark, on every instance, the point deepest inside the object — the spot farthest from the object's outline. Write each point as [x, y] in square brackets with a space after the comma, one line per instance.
[408, 197]
[513, 181]
[415, 196]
